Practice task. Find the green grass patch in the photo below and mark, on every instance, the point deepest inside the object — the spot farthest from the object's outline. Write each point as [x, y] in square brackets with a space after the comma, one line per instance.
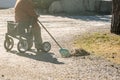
[106, 45]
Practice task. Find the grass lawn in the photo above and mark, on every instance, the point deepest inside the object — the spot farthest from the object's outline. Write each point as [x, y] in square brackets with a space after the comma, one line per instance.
[106, 45]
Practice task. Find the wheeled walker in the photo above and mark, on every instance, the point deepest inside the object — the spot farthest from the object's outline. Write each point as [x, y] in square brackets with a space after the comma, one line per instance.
[25, 41]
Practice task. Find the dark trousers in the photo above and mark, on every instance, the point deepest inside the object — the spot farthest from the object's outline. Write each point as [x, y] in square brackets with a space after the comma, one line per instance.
[24, 27]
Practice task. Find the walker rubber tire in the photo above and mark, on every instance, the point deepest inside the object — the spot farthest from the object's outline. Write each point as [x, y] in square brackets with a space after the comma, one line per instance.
[8, 43]
[22, 46]
[46, 47]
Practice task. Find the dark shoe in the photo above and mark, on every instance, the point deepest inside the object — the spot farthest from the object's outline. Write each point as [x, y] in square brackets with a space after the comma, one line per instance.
[39, 49]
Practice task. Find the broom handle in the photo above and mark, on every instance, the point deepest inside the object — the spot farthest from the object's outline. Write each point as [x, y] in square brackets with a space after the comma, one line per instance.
[50, 34]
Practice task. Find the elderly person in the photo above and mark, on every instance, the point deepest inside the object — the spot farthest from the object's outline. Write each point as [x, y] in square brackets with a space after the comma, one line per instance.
[25, 16]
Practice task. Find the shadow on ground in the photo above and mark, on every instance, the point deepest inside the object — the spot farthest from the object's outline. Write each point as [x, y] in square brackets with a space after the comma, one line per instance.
[85, 17]
[103, 18]
[39, 56]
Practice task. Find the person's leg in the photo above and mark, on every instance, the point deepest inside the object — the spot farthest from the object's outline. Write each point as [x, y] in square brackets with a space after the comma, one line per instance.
[29, 37]
[23, 30]
[20, 28]
[37, 35]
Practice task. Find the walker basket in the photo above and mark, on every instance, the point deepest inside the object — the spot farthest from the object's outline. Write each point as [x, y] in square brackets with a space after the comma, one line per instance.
[11, 27]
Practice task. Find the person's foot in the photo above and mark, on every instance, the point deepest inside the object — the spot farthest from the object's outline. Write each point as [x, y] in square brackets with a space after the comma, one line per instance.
[40, 48]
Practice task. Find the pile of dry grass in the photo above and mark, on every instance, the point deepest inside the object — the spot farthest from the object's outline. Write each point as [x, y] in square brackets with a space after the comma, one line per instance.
[79, 52]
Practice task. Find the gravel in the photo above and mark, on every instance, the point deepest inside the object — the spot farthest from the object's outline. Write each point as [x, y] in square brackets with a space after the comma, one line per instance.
[51, 66]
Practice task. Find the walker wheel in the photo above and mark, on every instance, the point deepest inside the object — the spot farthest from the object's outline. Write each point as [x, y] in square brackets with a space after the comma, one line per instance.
[46, 46]
[8, 43]
[22, 46]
